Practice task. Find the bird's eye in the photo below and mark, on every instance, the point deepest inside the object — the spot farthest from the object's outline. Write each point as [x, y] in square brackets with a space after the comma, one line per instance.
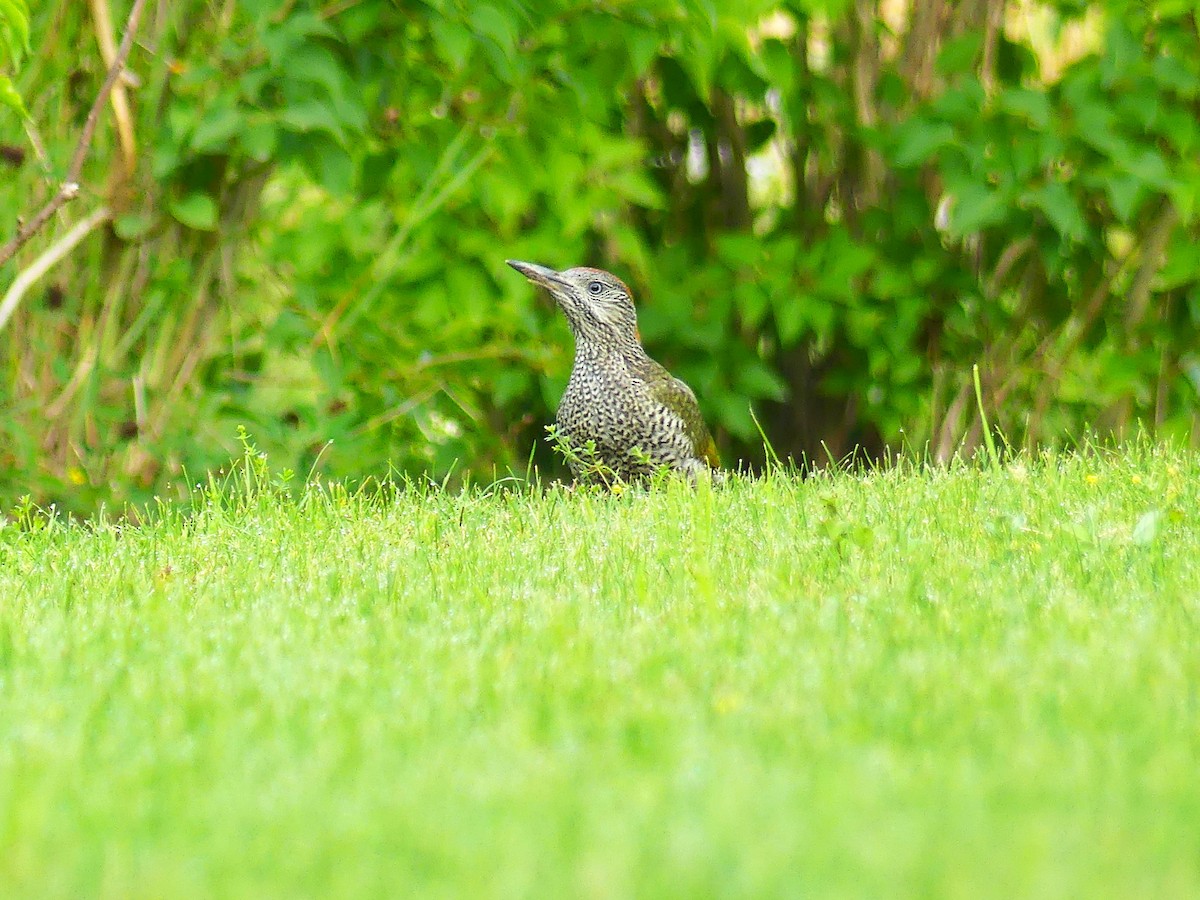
[595, 288]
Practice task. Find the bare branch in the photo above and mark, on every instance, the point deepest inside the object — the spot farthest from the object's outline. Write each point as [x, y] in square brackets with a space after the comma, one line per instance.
[49, 258]
[70, 185]
[1153, 249]
[993, 28]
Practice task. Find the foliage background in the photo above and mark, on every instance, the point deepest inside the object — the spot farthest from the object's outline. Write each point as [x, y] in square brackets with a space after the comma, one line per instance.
[828, 210]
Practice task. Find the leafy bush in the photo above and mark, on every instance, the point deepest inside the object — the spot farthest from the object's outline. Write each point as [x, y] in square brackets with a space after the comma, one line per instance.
[14, 44]
[828, 212]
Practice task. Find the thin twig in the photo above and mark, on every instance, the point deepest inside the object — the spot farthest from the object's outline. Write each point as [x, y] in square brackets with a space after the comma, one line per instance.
[70, 186]
[1153, 248]
[50, 257]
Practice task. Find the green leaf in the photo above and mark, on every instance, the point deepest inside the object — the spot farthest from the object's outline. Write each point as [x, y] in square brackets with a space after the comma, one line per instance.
[315, 65]
[845, 261]
[259, 140]
[252, 84]
[198, 211]
[9, 96]
[1032, 105]
[1181, 266]
[1124, 53]
[790, 318]
[976, 208]
[642, 45]
[312, 115]
[1173, 73]
[739, 250]
[1186, 197]
[755, 379]
[701, 62]
[295, 30]
[733, 412]
[1179, 127]
[959, 54]
[335, 169]
[1150, 167]
[1061, 209]
[740, 72]
[15, 14]
[1124, 194]
[490, 22]
[637, 187]
[454, 41]
[918, 139]
[778, 62]
[216, 129]
[891, 281]
[131, 226]
[751, 301]
[13, 53]
[962, 102]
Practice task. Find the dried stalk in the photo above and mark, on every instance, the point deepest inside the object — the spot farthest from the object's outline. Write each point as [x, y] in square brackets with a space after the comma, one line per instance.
[120, 100]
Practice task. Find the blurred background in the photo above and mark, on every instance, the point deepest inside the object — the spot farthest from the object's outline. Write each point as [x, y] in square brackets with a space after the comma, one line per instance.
[828, 211]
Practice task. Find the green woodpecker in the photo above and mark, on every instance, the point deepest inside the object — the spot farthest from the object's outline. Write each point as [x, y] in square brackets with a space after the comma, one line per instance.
[639, 417]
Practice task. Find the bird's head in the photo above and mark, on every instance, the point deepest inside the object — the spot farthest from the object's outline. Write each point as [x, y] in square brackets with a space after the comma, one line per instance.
[597, 304]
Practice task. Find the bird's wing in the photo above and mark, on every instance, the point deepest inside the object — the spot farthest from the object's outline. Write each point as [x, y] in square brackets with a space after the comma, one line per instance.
[678, 397]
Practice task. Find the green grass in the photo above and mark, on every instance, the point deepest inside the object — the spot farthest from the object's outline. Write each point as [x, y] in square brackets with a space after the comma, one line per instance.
[974, 682]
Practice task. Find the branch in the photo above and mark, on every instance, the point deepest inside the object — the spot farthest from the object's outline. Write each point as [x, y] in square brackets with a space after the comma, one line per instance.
[70, 186]
[993, 28]
[120, 100]
[864, 77]
[1153, 248]
[50, 257]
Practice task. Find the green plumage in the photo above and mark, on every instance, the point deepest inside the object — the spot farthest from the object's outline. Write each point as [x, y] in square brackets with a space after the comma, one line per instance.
[679, 398]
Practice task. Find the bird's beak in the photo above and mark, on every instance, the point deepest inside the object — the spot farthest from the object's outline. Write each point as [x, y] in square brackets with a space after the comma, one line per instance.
[541, 275]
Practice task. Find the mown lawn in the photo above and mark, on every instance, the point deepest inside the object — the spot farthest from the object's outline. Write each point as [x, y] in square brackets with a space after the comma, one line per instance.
[974, 682]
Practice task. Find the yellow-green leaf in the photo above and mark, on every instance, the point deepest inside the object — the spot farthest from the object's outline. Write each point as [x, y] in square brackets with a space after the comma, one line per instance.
[9, 96]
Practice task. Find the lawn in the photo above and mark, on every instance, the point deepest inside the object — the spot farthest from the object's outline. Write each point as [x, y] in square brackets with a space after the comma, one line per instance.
[968, 682]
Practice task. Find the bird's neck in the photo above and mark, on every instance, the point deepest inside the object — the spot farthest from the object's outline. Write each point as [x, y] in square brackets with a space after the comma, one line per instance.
[629, 351]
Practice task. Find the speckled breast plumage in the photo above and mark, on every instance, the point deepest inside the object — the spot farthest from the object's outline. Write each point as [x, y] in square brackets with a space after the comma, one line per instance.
[608, 405]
